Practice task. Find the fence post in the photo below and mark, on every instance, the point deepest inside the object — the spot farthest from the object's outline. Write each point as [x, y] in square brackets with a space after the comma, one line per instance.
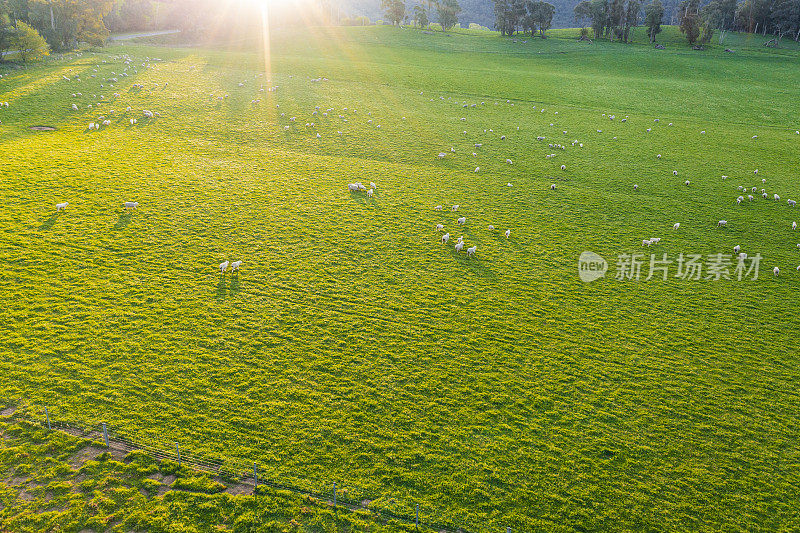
[334, 495]
[179, 454]
[255, 474]
[47, 414]
[416, 517]
[105, 434]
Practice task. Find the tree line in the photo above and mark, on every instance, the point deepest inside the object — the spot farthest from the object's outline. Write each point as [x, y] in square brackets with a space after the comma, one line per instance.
[698, 22]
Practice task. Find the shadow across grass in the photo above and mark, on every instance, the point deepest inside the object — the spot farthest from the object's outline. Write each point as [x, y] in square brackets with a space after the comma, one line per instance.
[50, 221]
[124, 219]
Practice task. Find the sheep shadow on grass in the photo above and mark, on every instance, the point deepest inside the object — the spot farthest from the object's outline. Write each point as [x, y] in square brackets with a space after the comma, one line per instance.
[50, 221]
[124, 219]
[222, 289]
[235, 284]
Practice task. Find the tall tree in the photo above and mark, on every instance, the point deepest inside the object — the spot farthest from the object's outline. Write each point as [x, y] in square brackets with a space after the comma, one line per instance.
[786, 18]
[599, 17]
[448, 11]
[395, 10]
[583, 12]
[508, 15]
[653, 15]
[631, 18]
[29, 44]
[542, 14]
[689, 19]
[420, 16]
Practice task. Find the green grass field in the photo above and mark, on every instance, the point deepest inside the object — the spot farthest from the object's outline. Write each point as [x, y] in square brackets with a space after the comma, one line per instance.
[353, 347]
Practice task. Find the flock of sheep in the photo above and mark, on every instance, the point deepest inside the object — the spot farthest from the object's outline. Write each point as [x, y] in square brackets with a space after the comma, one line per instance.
[344, 115]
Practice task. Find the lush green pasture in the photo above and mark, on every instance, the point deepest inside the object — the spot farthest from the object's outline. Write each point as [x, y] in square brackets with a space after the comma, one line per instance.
[354, 347]
[51, 481]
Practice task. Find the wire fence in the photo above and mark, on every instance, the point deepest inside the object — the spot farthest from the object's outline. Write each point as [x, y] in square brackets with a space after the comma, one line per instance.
[242, 472]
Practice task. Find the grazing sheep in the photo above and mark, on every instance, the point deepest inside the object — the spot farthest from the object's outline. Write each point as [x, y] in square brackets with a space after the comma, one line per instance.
[61, 206]
[552, 186]
[369, 193]
[794, 225]
[776, 271]
[437, 208]
[646, 242]
[677, 225]
[455, 207]
[471, 251]
[223, 267]
[491, 228]
[655, 240]
[722, 223]
[372, 184]
[459, 246]
[764, 195]
[460, 238]
[658, 156]
[235, 266]
[686, 183]
[750, 197]
[442, 155]
[635, 187]
[674, 172]
[777, 198]
[352, 187]
[563, 167]
[508, 233]
[791, 203]
[439, 227]
[739, 200]
[509, 162]
[461, 221]
[445, 238]
[736, 249]
[131, 205]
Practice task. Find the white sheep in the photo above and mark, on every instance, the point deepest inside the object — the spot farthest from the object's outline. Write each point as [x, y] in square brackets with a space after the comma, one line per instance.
[674, 172]
[235, 265]
[223, 266]
[563, 167]
[791, 203]
[686, 183]
[777, 198]
[437, 208]
[552, 186]
[62, 205]
[736, 249]
[677, 225]
[776, 271]
[471, 251]
[794, 225]
[635, 187]
[491, 228]
[352, 187]
[369, 193]
[372, 184]
[131, 205]
[445, 238]
[439, 227]
[459, 246]
[508, 233]
[461, 221]
[455, 207]
[722, 223]
[442, 155]
[509, 162]
[646, 242]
